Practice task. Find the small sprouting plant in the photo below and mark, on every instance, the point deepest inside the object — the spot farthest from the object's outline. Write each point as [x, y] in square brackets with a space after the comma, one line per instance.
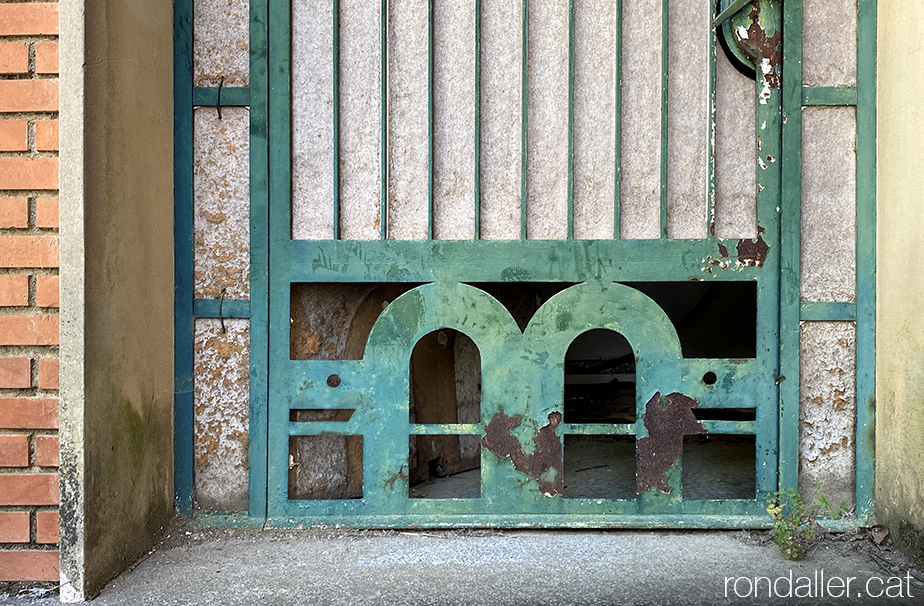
[795, 528]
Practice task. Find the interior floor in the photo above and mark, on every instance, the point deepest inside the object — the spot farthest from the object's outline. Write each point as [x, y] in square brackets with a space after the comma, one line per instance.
[603, 467]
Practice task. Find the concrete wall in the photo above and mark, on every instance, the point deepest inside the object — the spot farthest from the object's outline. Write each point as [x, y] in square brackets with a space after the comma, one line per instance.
[900, 339]
[117, 283]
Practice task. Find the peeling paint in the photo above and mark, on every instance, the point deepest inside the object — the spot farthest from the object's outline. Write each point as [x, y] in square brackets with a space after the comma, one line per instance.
[827, 398]
[221, 379]
[544, 464]
[667, 420]
[753, 252]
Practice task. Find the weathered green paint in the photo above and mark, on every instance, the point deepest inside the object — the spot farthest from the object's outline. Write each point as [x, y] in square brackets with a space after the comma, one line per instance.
[829, 95]
[790, 245]
[230, 95]
[183, 256]
[523, 371]
[866, 258]
[259, 258]
[820, 311]
[213, 308]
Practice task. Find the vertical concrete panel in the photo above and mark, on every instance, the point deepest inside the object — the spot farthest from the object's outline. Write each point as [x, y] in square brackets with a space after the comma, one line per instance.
[360, 110]
[454, 121]
[221, 384]
[547, 124]
[641, 120]
[736, 148]
[312, 86]
[118, 102]
[829, 53]
[221, 181]
[221, 42]
[407, 115]
[827, 417]
[900, 281]
[501, 43]
[829, 222]
[594, 119]
[688, 118]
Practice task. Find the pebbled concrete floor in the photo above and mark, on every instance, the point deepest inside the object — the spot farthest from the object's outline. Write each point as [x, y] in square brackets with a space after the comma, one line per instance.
[196, 566]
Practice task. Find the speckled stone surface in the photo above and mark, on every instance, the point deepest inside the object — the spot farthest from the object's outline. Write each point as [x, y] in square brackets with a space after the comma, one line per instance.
[221, 380]
[221, 183]
[829, 48]
[360, 99]
[221, 42]
[829, 224]
[594, 119]
[736, 144]
[641, 120]
[547, 126]
[501, 43]
[454, 121]
[688, 119]
[407, 120]
[827, 399]
[312, 89]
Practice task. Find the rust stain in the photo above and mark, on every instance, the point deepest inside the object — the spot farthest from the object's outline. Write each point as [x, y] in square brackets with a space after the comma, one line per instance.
[544, 464]
[667, 420]
[722, 250]
[753, 252]
[761, 47]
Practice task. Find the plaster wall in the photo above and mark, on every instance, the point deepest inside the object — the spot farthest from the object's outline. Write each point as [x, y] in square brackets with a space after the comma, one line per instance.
[117, 286]
[900, 280]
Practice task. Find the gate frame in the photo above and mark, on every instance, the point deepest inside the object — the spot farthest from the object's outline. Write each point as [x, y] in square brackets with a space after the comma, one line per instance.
[262, 98]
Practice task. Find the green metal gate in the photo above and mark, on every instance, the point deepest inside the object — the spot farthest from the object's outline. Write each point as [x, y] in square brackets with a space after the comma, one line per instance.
[522, 428]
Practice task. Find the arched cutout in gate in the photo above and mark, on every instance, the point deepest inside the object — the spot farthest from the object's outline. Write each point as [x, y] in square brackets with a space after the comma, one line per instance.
[445, 389]
[599, 388]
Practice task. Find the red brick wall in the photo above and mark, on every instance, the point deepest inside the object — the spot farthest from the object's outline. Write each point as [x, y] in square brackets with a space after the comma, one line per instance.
[28, 291]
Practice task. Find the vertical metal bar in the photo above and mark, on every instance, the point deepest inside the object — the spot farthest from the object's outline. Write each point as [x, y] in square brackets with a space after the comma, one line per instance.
[791, 221]
[430, 33]
[383, 196]
[477, 194]
[617, 151]
[769, 126]
[258, 443]
[183, 255]
[710, 138]
[571, 119]
[336, 95]
[524, 120]
[866, 258]
[665, 63]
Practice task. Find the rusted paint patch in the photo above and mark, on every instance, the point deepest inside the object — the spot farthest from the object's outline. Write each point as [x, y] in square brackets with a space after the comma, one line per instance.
[753, 252]
[544, 464]
[722, 250]
[667, 420]
[766, 51]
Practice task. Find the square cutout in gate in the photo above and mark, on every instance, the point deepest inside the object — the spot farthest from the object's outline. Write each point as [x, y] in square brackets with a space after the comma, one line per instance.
[719, 467]
[325, 467]
[444, 467]
[599, 467]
